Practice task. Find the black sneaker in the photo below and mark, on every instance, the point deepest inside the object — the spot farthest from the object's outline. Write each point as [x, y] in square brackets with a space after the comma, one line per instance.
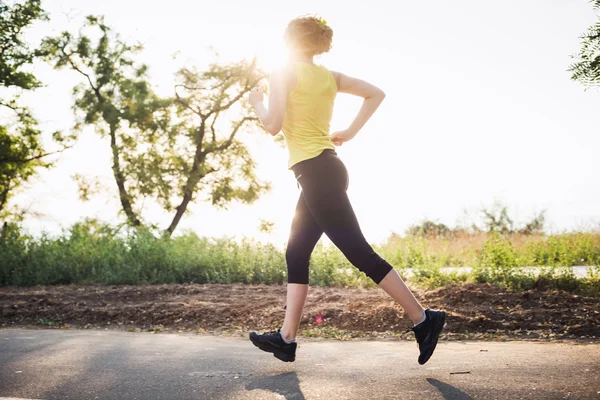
[272, 342]
[428, 332]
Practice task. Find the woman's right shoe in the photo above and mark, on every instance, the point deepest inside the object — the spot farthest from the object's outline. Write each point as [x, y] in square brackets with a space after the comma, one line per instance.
[428, 332]
[272, 342]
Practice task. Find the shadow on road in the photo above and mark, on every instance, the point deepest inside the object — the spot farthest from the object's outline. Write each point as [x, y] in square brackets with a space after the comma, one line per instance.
[286, 384]
[448, 391]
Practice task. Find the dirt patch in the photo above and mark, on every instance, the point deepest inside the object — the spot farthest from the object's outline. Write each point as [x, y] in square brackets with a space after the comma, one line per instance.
[474, 310]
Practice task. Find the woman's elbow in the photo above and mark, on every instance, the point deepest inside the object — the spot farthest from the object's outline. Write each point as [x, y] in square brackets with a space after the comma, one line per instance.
[274, 129]
[377, 94]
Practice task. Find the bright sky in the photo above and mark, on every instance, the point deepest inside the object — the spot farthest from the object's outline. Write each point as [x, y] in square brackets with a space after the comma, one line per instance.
[479, 108]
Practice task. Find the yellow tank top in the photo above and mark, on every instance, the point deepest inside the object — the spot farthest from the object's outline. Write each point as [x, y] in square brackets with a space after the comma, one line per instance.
[308, 112]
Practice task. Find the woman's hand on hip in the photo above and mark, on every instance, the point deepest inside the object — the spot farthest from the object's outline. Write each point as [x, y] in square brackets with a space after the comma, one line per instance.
[340, 137]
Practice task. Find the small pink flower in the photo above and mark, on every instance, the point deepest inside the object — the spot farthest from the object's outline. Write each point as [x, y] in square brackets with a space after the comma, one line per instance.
[319, 319]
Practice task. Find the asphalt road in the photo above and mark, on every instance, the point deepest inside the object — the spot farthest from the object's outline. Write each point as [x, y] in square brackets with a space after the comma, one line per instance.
[72, 364]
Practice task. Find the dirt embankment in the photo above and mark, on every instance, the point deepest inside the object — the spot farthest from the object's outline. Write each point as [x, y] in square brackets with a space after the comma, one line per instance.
[474, 311]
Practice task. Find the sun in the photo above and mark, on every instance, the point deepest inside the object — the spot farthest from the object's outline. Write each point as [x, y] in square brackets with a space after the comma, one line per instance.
[271, 55]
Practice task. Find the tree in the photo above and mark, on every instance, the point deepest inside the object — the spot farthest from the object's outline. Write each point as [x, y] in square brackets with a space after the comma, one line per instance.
[586, 69]
[21, 150]
[115, 96]
[14, 52]
[168, 149]
[221, 161]
[536, 225]
[429, 228]
[496, 219]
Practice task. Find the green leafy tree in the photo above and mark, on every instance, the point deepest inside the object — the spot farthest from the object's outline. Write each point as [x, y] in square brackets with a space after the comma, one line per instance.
[172, 150]
[216, 164]
[586, 69]
[21, 149]
[496, 219]
[535, 225]
[429, 228]
[115, 98]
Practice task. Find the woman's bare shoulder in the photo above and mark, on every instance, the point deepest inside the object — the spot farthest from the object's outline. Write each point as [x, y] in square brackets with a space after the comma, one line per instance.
[286, 73]
[336, 75]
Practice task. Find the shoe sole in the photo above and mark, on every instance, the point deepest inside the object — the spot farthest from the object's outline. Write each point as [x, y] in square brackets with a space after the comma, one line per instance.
[438, 328]
[276, 353]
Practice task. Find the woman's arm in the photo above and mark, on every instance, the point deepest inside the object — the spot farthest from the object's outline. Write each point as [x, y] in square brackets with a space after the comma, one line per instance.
[373, 97]
[272, 119]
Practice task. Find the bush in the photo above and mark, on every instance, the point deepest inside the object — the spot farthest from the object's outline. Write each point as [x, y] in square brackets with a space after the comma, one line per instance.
[497, 261]
[91, 252]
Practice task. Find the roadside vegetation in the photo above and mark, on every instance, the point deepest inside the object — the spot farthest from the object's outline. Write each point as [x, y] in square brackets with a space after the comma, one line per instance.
[429, 255]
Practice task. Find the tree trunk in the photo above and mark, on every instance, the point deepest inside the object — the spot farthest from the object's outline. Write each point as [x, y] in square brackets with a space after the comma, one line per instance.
[116, 167]
[4, 197]
[4, 194]
[191, 183]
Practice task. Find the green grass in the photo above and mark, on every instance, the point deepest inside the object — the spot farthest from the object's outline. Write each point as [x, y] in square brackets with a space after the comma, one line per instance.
[90, 252]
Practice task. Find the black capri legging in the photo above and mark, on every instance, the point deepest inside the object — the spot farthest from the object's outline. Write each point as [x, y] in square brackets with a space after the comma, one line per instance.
[324, 206]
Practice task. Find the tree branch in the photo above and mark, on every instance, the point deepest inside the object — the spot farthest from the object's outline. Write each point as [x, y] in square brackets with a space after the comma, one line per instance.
[124, 48]
[235, 130]
[187, 105]
[234, 100]
[26, 160]
[212, 128]
[76, 68]
[14, 108]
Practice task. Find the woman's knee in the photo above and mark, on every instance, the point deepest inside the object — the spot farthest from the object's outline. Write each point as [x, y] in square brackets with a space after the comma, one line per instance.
[373, 266]
[297, 262]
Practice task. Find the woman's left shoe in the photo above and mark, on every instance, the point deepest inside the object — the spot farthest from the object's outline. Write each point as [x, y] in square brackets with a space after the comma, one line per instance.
[272, 342]
[428, 332]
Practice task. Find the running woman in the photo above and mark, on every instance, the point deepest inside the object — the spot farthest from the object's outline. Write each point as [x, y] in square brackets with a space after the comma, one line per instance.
[301, 97]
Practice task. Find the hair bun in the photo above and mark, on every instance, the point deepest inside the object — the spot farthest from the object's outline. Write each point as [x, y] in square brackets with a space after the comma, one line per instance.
[309, 34]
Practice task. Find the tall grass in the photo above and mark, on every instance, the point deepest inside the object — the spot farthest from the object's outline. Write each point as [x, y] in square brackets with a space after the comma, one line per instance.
[90, 252]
